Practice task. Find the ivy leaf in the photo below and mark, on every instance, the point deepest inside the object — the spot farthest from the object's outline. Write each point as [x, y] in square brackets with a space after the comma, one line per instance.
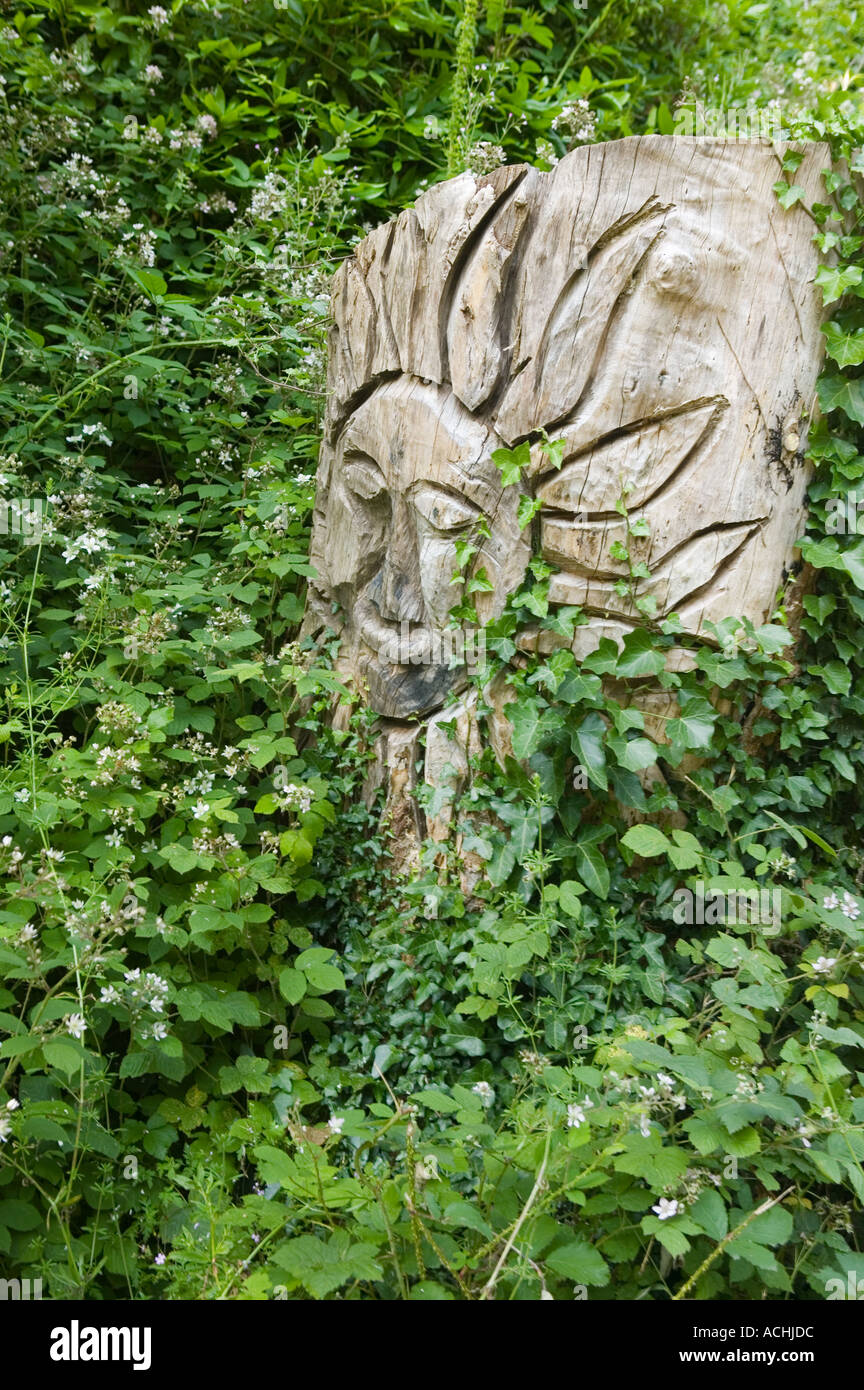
[836, 676]
[852, 558]
[510, 462]
[694, 727]
[686, 853]
[639, 657]
[837, 393]
[834, 281]
[788, 195]
[587, 743]
[847, 349]
[532, 725]
[527, 510]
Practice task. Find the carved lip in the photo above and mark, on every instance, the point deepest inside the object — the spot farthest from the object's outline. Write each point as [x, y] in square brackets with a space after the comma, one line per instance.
[413, 648]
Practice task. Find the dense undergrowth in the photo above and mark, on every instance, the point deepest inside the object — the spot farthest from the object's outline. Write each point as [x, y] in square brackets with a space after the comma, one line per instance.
[241, 1057]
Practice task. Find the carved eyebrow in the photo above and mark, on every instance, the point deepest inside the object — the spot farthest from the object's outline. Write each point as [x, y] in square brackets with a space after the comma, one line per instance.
[483, 492]
[469, 474]
[448, 493]
[363, 474]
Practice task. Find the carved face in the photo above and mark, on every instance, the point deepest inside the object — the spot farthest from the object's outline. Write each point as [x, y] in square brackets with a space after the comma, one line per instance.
[650, 305]
[411, 477]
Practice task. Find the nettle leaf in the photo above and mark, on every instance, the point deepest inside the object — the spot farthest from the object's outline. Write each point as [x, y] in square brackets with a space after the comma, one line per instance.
[322, 1266]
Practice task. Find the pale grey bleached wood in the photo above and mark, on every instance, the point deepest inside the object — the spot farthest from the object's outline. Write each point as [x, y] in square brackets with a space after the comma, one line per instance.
[648, 303]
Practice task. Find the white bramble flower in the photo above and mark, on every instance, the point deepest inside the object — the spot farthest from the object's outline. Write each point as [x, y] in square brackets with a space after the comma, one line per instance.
[5, 1129]
[830, 902]
[160, 1031]
[335, 1123]
[576, 1113]
[109, 995]
[666, 1208]
[13, 1104]
[484, 1091]
[849, 907]
[824, 965]
[76, 1026]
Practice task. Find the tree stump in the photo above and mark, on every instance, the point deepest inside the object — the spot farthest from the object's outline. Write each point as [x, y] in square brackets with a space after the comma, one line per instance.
[649, 304]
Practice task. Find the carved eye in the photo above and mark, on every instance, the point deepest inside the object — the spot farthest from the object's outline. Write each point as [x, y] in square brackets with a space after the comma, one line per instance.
[443, 511]
[364, 478]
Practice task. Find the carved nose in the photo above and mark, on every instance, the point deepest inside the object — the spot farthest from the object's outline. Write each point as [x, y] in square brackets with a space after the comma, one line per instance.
[396, 588]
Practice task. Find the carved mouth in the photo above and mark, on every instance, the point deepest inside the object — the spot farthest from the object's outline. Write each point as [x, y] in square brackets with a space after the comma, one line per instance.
[398, 644]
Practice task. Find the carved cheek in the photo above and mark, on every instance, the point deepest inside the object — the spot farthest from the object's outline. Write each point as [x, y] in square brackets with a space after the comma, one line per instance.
[437, 564]
[358, 522]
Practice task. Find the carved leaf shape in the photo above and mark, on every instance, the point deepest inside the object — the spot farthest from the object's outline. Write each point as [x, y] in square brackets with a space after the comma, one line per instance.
[476, 352]
[551, 387]
[681, 575]
[638, 463]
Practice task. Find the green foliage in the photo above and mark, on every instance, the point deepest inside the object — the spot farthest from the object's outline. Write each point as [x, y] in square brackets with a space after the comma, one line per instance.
[240, 1057]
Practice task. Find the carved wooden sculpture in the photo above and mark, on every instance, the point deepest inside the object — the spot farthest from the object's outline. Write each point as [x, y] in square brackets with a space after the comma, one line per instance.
[650, 304]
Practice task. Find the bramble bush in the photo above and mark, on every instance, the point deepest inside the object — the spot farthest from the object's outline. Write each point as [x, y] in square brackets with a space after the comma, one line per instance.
[242, 1057]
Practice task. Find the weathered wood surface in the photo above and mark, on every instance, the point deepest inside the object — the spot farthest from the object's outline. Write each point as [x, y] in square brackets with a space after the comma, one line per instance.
[649, 303]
